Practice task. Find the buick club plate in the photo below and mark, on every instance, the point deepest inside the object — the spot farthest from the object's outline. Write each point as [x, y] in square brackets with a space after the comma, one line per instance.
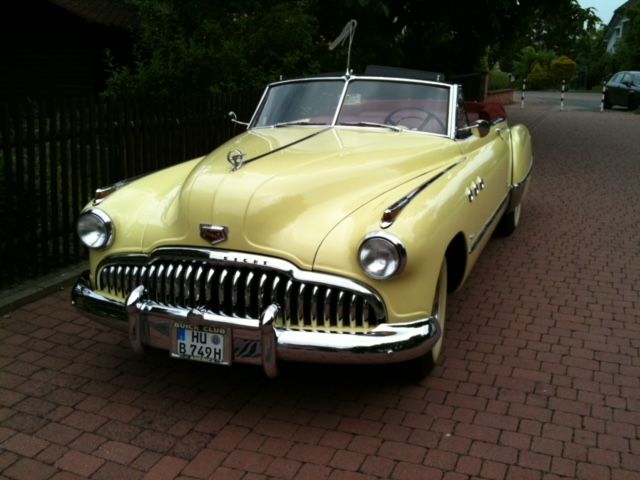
[202, 343]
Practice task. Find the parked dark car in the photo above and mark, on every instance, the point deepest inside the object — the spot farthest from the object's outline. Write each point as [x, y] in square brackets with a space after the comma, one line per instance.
[623, 89]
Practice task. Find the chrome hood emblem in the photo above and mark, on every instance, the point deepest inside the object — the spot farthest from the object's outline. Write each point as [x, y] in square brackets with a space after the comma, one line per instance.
[213, 233]
[235, 158]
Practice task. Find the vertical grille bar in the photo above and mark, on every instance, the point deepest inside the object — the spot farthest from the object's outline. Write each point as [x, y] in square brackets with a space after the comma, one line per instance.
[313, 306]
[301, 304]
[365, 314]
[197, 289]
[187, 289]
[248, 306]
[236, 294]
[208, 289]
[168, 276]
[326, 316]
[221, 290]
[340, 310]
[262, 283]
[178, 297]
[353, 305]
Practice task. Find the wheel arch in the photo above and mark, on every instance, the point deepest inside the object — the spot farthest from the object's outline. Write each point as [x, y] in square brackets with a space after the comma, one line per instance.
[456, 255]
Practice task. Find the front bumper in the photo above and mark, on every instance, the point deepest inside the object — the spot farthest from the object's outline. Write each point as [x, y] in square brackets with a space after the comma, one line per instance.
[256, 341]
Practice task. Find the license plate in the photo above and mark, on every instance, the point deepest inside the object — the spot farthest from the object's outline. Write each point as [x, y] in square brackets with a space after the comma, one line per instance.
[202, 343]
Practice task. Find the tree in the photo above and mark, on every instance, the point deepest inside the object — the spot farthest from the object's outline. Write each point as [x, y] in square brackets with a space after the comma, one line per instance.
[539, 78]
[208, 45]
[562, 69]
[528, 57]
[592, 59]
[204, 45]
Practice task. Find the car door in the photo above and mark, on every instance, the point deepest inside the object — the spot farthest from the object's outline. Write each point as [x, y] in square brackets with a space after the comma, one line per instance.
[625, 88]
[615, 89]
[488, 160]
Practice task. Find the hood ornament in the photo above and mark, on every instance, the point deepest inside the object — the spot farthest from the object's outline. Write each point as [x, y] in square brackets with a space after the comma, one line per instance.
[235, 158]
[213, 233]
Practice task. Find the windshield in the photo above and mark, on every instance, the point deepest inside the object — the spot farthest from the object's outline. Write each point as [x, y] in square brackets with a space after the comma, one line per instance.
[409, 106]
[311, 102]
[375, 103]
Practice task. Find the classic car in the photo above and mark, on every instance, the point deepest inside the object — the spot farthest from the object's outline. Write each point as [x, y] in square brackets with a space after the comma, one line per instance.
[330, 231]
[623, 89]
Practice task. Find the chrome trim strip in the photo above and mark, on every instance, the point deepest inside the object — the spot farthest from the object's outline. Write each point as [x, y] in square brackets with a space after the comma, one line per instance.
[453, 103]
[501, 209]
[149, 323]
[275, 150]
[340, 103]
[391, 213]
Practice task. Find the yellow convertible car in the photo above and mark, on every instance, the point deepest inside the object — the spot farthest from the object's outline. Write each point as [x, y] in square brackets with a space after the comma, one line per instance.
[330, 231]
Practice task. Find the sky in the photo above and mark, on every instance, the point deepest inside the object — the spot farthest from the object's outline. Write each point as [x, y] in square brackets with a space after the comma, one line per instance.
[604, 8]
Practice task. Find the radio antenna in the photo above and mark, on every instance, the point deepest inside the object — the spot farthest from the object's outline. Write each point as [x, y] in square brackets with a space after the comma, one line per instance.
[349, 30]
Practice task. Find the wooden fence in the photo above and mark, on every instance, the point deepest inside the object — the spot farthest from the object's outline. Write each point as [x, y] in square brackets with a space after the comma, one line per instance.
[55, 152]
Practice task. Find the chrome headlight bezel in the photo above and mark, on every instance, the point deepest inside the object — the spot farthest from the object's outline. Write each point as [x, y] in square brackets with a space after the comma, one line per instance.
[102, 227]
[382, 255]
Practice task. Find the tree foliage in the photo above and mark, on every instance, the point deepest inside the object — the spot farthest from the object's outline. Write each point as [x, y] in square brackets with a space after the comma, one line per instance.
[204, 45]
[539, 78]
[562, 69]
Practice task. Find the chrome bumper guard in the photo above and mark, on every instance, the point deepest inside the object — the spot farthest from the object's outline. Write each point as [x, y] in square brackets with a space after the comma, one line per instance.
[257, 341]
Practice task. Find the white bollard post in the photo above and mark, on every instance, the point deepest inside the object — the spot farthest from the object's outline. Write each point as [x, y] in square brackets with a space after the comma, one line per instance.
[562, 97]
[604, 90]
[524, 89]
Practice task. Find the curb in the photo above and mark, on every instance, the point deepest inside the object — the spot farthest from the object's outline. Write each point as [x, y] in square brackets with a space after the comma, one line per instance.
[34, 289]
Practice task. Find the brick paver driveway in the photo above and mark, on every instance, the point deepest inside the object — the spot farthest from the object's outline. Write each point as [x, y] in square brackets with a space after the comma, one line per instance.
[540, 377]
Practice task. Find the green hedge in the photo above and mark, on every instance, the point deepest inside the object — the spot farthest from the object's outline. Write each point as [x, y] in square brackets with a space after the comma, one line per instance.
[499, 80]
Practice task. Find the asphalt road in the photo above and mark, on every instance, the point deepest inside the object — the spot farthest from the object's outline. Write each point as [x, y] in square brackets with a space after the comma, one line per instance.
[540, 377]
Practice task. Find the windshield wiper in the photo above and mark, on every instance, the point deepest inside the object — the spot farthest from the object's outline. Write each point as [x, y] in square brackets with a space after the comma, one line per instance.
[297, 122]
[372, 124]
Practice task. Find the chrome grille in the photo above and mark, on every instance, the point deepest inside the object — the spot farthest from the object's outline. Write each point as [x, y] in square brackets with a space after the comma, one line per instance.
[243, 289]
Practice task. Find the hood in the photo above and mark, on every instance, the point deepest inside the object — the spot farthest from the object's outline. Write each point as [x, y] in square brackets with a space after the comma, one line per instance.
[297, 184]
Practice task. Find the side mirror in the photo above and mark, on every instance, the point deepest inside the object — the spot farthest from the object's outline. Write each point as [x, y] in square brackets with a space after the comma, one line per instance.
[481, 128]
[234, 118]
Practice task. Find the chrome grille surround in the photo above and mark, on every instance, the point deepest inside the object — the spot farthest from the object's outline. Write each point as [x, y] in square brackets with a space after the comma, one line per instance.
[242, 285]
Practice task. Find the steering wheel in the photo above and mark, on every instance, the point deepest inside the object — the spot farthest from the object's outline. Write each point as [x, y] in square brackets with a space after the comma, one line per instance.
[428, 116]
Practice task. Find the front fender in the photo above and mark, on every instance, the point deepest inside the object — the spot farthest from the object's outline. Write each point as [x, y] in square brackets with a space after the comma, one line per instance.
[522, 164]
[425, 226]
[521, 154]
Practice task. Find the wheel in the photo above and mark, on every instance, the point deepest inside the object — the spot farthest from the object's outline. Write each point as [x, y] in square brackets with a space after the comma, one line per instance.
[607, 102]
[632, 104]
[509, 222]
[405, 113]
[420, 367]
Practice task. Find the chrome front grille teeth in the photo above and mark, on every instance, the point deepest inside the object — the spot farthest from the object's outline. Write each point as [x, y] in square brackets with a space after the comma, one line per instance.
[245, 291]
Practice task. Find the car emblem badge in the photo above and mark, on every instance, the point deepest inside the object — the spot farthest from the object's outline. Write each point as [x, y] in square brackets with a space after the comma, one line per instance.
[213, 233]
[235, 158]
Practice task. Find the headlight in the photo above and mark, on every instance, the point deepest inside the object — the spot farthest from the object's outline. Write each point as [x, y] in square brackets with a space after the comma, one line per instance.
[382, 255]
[95, 229]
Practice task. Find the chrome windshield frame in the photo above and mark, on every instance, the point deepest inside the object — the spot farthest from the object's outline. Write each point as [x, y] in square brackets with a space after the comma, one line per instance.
[451, 107]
